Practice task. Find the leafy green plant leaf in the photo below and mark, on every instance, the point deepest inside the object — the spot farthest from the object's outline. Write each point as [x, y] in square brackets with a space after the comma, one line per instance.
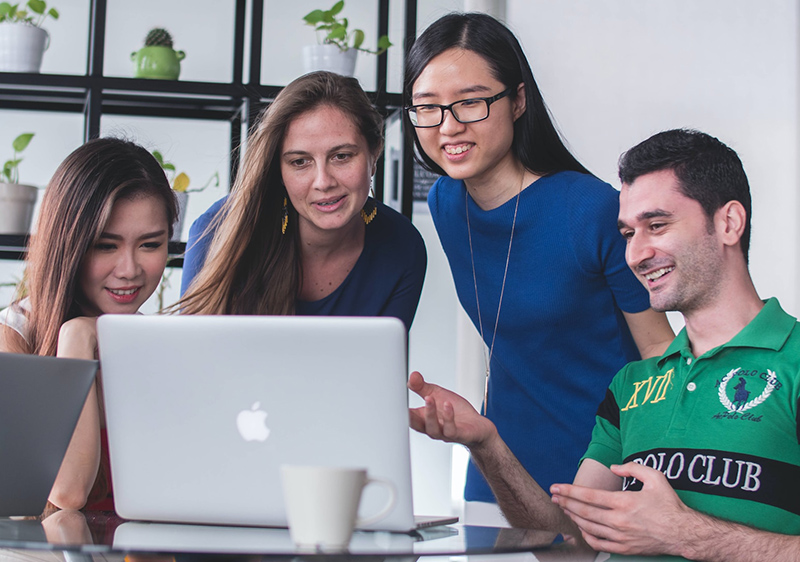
[37, 6]
[337, 7]
[338, 32]
[358, 38]
[21, 142]
[35, 14]
[313, 18]
[181, 182]
[7, 167]
[384, 43]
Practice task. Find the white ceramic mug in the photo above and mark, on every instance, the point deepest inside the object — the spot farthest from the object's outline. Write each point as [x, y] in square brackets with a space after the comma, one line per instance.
[322, 505]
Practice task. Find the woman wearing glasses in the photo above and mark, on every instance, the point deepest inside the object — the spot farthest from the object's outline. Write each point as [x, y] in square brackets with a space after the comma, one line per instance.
[532, 243]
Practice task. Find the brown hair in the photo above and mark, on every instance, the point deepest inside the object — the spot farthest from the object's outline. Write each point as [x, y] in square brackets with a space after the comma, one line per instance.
[251, 267]
[75, 208]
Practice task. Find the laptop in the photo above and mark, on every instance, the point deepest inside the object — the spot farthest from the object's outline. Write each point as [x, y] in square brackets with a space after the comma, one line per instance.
[41, 399]
[202, 411]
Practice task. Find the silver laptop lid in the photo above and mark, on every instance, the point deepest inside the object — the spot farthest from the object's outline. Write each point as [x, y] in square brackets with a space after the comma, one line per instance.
[203, 410]
[41, 399]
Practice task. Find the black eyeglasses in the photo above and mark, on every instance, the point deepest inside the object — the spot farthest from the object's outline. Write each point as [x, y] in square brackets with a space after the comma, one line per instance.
[465, 111]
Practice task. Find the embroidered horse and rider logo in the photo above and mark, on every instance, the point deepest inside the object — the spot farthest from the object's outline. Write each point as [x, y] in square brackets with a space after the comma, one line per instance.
[741, 399]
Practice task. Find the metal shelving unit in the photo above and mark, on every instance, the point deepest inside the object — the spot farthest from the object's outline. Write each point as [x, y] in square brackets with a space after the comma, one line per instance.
[238, 102]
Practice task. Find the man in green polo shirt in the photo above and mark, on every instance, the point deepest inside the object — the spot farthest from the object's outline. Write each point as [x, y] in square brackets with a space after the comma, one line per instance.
[707, 434]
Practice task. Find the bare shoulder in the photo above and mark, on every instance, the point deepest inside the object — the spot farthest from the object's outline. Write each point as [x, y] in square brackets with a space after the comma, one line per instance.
[11, 341]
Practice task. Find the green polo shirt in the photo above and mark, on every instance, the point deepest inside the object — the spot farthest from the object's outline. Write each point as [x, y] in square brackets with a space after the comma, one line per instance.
[722, 427]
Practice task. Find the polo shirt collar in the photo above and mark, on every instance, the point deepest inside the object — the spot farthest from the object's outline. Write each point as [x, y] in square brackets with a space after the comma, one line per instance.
[768, 330]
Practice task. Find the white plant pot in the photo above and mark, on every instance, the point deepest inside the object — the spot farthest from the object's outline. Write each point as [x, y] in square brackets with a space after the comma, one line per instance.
[177, 229]
[16, 208]
[21, 47]
[329, 57]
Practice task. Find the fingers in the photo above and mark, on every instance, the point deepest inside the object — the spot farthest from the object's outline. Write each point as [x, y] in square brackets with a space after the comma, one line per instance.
[426, 418]
[636, 470]
[438, 422]
[415, 381]
[416, 419]
[588, 517]
[417, 384]
[447, 421]
[568, 493]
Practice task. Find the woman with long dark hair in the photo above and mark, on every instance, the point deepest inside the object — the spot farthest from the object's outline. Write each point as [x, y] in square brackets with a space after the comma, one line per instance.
[531, 238]
[100, 247]
[299, 233]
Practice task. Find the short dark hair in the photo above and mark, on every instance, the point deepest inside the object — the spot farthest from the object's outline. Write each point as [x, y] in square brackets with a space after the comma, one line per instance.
[708, 171]
[537, 143]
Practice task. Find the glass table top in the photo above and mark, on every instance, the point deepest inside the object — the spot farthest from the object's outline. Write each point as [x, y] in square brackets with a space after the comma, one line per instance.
[103, 532]
[83, 534]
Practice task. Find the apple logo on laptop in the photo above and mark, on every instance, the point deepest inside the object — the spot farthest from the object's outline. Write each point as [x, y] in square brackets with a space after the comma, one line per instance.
[251, 423]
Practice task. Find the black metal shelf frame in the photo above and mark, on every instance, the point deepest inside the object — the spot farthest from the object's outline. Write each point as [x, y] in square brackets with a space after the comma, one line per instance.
[238, 102]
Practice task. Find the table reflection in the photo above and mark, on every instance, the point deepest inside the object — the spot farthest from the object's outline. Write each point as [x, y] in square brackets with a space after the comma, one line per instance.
[100, 533]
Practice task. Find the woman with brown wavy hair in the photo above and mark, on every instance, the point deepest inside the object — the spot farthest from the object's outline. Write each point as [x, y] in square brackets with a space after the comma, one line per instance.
[299, 233]
[100, 247]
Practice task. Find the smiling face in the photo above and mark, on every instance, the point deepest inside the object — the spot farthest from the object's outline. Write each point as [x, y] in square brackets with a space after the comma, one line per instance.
[124, 267]
[326, 167]
[672, 246]
[467, 151]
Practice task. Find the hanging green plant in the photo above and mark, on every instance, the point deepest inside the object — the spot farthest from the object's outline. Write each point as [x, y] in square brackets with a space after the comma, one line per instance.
[10, 171]
[12, 13]
[335, 30]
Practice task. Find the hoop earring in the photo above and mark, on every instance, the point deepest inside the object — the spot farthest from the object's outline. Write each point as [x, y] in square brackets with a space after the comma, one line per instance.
[285, 217]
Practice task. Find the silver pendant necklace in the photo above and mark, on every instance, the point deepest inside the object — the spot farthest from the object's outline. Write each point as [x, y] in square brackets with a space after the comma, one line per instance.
[487, 353]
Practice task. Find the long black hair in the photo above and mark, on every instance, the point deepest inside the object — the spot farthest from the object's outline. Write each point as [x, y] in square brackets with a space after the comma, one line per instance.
[537, 143]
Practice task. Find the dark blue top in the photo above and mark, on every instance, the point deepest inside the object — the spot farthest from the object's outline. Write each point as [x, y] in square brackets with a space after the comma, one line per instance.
[561, 336]
[386, 280]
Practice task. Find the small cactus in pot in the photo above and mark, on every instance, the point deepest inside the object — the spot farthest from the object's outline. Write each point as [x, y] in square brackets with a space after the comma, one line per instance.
[157, 59]
[158, 37]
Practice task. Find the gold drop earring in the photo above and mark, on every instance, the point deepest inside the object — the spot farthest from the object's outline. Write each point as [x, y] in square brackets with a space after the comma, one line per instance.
[285, 217]
[370, 209]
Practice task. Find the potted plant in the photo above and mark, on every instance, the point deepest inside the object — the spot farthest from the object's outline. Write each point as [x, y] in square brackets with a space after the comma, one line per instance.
[22, 39]
[338, 45]
[16, 200]
[180, 184]
[157, 59]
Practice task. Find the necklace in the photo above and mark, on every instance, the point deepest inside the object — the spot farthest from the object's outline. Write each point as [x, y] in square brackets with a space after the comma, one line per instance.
[487, 352]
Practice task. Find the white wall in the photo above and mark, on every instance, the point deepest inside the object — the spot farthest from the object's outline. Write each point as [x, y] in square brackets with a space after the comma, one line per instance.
[613, 72]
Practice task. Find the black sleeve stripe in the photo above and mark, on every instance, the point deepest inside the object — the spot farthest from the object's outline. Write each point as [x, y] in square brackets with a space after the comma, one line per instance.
[798, 420]
[609, 410]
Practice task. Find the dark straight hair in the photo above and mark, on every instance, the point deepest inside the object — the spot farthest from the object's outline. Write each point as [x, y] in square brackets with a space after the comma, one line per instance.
[537, 143]
[75, 209]
[708, 171]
